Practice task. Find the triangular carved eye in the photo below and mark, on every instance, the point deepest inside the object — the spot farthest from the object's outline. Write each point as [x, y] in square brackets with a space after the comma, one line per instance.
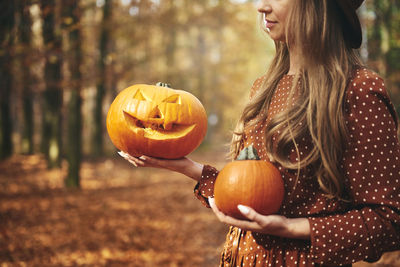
[140, 96]
[175, 99]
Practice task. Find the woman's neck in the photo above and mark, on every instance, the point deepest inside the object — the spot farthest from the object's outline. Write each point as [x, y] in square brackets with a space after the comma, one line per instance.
[294, 61]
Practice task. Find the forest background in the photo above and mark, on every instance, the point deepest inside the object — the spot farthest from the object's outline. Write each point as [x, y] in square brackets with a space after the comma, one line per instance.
[62, 62]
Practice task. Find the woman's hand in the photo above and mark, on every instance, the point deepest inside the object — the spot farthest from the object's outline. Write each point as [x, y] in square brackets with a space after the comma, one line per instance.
[271, 224]
[184, 165]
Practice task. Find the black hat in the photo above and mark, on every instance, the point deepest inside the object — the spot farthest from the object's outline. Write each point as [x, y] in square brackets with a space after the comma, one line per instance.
[352, 26]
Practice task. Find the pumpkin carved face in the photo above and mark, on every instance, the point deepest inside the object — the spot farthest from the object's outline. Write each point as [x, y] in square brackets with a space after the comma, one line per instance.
[156, 121]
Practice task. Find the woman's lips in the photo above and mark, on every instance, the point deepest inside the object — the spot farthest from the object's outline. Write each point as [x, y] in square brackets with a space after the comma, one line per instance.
[269, 23]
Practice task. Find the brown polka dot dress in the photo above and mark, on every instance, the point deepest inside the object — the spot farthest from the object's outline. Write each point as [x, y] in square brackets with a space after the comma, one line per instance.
[342, 232]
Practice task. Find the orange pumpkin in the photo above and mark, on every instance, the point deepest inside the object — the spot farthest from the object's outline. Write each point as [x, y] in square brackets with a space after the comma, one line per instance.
[254, 183]
[156, 121]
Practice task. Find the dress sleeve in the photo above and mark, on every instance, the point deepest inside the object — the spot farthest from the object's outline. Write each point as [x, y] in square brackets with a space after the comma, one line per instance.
[372, 172]
[205, 187]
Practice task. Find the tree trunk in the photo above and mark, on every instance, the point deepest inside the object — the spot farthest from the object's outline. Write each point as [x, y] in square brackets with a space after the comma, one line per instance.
[74, 131]
[97, 140]
[25, 34]
[7, 20]
[52, 96]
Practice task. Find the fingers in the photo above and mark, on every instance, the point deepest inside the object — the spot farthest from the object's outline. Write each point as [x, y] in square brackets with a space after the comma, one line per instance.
[142, 161]
[133, 160]
[150, 161]
[243, 224]
[249, 213]
[251, 225]
[269, 224]
[211, 201]
[221, 216]
[246, 211]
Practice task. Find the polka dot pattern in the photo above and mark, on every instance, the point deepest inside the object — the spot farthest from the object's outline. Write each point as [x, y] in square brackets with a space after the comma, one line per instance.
[342, 232]
[205, 188]
[372, 168]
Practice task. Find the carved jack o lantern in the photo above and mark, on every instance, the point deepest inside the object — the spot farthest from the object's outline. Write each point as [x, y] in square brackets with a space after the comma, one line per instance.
[156, 121]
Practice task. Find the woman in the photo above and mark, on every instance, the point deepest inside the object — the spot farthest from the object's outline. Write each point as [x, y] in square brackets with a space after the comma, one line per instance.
[327, 123]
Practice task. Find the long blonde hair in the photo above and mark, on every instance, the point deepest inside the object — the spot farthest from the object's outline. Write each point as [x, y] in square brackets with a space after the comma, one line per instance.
[327, 63]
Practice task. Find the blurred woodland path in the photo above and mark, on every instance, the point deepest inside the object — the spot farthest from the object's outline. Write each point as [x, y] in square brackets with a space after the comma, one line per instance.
[122, 216]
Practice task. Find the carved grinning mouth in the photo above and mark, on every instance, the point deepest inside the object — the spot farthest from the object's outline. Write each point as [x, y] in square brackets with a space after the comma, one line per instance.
[155, 123]
[156, 130]
[155, 126]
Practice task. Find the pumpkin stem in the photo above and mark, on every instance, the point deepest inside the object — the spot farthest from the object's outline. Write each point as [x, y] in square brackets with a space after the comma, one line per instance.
[248, 153]
[163, 84]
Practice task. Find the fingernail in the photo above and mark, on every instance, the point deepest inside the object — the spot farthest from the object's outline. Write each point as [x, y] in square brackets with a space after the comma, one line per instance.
[243, 209]
[143, 158]
[133, 163]
[121, 154]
